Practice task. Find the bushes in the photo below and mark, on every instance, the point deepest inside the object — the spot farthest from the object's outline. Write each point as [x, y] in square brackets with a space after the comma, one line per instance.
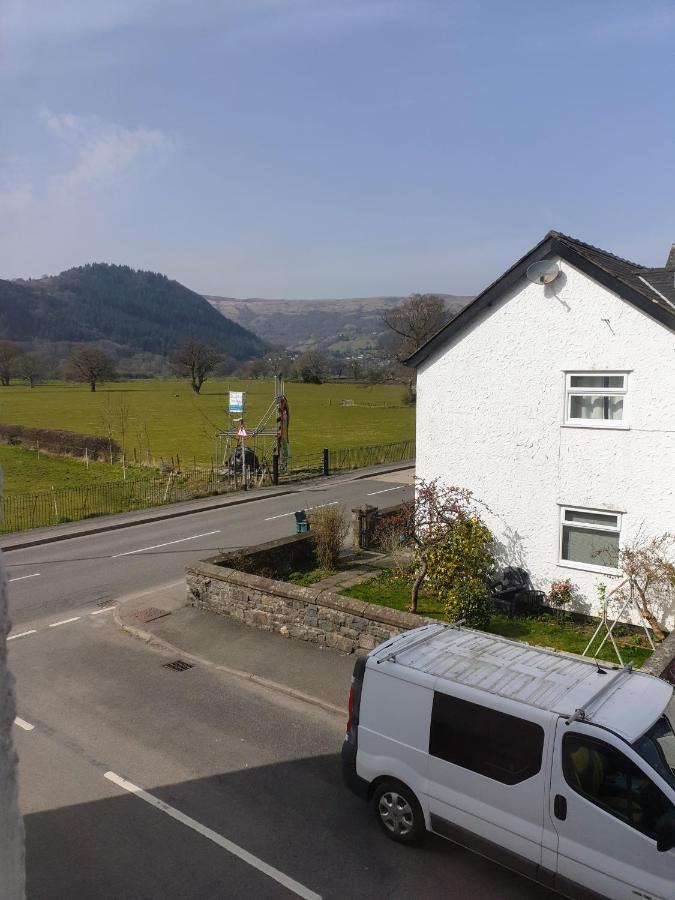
[61, 443]
[329, 529]
[459, 570]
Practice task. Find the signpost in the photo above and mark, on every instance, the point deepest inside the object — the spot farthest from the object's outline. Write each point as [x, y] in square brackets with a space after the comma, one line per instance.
[236, 402]
[242, 434]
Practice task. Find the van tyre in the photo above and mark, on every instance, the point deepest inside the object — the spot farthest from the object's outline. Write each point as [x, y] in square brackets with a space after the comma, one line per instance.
[398, 812]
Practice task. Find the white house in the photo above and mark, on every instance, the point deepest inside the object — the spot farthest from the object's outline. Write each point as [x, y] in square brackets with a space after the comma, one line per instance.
[555, 405]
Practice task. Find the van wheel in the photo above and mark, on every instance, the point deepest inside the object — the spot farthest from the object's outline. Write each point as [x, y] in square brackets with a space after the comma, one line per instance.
[399, 813]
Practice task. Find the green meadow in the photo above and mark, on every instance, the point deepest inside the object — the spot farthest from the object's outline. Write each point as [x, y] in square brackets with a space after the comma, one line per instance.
[169, 419]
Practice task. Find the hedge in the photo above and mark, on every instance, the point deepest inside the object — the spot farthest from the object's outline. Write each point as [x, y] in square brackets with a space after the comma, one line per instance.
[61, 443]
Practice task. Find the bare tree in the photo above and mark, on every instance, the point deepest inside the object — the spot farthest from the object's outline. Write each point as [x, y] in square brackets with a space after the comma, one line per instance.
[32, 368]
[10, 353]
[89, 365]
[650, 568]
[410, 325]
[413, 322]
[195, 361]
[310, 367]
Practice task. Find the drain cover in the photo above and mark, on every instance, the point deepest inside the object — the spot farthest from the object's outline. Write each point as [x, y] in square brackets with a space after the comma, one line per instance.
[150, 613]
[178, 665]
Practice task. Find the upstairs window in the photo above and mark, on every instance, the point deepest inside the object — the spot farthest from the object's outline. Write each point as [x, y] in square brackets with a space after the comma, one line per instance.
[596, 399]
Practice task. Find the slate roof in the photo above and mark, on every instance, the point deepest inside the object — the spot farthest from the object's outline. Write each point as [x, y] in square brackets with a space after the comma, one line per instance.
[651, 290]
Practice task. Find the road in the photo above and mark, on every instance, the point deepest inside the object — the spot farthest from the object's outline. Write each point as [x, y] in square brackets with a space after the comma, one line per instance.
[89, 572]
[140, 782]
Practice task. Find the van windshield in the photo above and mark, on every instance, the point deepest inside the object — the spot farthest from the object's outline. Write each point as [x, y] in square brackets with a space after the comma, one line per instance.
[657, 747]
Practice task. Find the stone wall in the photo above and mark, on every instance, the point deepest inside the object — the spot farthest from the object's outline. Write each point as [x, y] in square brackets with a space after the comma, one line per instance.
[306, 613]
[11, 825]
[272, 559]
[662, 660]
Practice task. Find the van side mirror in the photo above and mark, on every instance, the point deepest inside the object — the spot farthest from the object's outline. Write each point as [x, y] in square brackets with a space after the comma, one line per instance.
[665, 835]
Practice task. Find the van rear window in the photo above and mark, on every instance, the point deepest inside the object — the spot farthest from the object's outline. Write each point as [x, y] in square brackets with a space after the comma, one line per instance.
[491, 743]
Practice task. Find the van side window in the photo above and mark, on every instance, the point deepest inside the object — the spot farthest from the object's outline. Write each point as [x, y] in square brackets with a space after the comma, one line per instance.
[608, 779]
[491, 743]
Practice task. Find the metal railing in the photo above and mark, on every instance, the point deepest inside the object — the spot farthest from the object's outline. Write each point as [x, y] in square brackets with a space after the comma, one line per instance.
[35, 510]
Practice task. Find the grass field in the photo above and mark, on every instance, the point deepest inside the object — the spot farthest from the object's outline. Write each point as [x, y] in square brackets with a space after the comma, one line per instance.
[178, 422]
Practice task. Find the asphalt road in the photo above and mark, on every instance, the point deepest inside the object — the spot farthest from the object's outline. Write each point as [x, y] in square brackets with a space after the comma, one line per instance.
[83, 573]
[140, 782]
[256, 774]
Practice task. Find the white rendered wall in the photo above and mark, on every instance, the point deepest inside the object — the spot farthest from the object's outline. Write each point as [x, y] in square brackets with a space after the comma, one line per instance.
[490, 408]
[11, 826]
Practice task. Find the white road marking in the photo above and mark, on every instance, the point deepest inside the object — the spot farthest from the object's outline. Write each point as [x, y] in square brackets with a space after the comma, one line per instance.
[13, 637]
[167, 544]
[23, 577]
[307, 509]
[289, 883]
[386, 490]
[65, 621]
[23, 724]
[97, 612]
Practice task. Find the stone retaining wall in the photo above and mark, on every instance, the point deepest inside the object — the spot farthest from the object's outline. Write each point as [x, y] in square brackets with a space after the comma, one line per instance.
[347, 625]
[662, 660]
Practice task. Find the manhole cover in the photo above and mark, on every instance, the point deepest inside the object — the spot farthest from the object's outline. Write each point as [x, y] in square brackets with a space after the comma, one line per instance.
[150, 613]
[178, 665]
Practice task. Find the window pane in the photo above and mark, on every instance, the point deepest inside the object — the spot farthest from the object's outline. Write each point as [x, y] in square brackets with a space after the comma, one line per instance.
[596, 381]
[596, 406]
[591, 518]
[609, 780]
[490, 743]
[596, 548]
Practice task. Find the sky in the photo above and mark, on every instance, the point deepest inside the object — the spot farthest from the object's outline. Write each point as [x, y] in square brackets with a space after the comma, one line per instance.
[329, 148]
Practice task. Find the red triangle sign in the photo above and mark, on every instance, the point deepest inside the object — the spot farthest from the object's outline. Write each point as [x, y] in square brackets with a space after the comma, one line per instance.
[242, 433]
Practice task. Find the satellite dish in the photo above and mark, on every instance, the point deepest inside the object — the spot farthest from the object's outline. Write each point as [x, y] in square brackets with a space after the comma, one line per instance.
[543, 272]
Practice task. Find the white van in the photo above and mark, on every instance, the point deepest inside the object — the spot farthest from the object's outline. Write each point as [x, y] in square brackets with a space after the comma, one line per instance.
[552, 765]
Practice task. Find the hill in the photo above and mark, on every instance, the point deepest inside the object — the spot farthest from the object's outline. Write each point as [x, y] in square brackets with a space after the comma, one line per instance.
[347, 326]
[139, 312]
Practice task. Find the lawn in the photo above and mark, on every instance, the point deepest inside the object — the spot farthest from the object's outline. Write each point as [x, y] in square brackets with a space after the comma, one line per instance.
[23, 471]
[544, 630]
[181, 423]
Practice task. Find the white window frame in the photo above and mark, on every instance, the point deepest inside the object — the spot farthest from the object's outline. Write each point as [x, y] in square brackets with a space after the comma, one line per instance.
[588, 567]
[618, 424]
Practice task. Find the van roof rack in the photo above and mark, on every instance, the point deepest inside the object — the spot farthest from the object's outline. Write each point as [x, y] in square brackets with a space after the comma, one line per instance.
[391, 657]
[581, 714]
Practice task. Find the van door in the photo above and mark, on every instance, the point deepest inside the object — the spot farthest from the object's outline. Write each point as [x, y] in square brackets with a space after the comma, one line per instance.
[605, 804]
[487, 778]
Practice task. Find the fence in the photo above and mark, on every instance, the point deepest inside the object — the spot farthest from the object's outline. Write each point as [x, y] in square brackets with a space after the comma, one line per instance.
[35, 510]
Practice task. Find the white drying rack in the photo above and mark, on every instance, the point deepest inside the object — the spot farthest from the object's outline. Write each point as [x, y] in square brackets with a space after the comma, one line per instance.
[609, 628]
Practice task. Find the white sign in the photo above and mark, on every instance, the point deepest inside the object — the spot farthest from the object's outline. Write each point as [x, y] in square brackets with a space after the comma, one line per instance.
[242, 433]
[236, 401]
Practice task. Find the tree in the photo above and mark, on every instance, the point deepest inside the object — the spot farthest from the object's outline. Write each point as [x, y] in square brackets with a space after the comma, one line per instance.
[310, 367]
[410, 325]
[428, 523]
[32, 368]
[196, 361]
[89, 365]
[650, 567]
[10, 353]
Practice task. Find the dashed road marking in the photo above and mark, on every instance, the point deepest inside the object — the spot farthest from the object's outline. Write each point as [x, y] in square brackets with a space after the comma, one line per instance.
[65, 621]
[399, 487]
[286, 881]
[307, 509]
[167, 544]
[13, 637]
[23, 577]
[23, 724]
[98, 612]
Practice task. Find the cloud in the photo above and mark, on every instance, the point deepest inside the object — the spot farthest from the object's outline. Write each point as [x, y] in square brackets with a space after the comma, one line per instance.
[101, 151]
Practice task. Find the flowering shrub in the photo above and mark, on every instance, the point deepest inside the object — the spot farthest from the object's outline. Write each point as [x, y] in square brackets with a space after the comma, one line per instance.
[559, 596]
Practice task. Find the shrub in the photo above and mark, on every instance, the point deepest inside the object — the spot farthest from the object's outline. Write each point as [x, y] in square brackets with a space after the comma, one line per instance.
[459, 570]
[559, 597]
[329, 528]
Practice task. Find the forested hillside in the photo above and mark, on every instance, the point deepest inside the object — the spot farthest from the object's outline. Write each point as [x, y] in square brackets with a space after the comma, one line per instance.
[139, 311]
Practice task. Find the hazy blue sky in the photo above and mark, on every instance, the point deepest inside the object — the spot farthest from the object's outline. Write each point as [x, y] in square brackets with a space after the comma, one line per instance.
[332, 147]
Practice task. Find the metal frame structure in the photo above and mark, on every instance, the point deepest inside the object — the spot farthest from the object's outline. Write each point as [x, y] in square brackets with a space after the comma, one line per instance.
[604, 622]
